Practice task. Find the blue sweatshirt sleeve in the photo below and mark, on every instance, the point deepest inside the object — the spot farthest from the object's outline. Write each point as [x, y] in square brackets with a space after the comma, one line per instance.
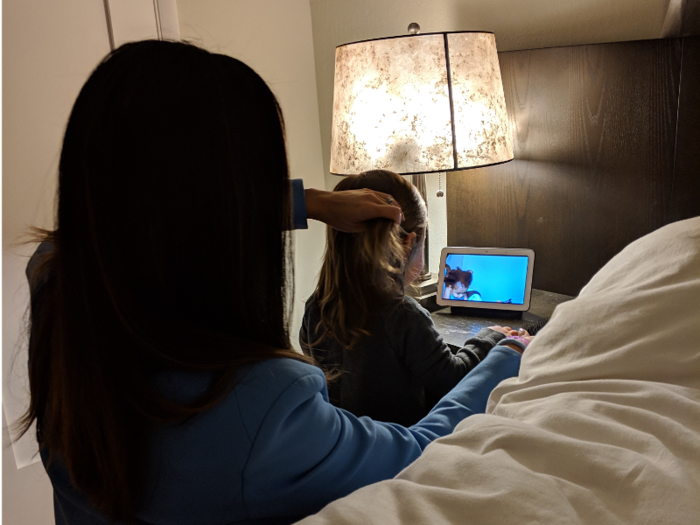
[319, 453]
[299, 204]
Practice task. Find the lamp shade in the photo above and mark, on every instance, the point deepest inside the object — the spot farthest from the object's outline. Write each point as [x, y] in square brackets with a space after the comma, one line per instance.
[419, 103]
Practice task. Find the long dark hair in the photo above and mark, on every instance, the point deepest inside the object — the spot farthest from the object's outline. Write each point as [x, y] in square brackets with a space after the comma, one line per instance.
[170, 252]
[364, 272]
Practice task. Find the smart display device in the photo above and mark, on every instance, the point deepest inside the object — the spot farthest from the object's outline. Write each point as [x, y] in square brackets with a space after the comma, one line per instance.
[490, 279]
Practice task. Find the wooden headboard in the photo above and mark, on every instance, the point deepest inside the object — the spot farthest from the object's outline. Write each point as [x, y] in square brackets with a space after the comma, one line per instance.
[607, 149]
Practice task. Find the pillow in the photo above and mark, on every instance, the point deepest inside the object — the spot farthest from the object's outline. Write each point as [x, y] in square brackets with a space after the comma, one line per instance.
[637, 319]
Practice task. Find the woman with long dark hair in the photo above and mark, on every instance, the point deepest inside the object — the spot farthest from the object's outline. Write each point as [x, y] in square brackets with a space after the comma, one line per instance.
[163, 382]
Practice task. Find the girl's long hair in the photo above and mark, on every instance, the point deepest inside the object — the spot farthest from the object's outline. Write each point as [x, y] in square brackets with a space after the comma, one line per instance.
[364, 272]
[170, 251]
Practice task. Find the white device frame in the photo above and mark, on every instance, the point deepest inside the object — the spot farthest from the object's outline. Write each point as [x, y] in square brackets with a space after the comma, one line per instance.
[461, 250]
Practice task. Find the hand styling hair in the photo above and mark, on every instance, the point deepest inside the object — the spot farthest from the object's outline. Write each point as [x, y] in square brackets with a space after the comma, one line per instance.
[364, 271]
[169, 155]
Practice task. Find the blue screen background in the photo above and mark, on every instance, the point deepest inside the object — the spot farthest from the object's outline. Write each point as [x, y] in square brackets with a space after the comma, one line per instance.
[497, 278]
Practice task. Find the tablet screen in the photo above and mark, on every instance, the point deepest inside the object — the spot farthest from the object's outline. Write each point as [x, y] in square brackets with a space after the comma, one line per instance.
[485, 278]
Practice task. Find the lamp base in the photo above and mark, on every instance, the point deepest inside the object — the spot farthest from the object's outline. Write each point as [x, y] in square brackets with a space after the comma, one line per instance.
[423, 286]
[425, 276]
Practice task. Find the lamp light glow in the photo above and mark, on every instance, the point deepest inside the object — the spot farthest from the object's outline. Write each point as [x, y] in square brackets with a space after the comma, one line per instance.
[419, 103]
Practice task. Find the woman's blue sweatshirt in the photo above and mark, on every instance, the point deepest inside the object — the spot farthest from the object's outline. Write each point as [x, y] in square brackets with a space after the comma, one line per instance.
[275, 450]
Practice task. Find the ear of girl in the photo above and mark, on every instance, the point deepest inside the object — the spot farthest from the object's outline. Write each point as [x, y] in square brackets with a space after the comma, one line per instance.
[414, 258]
[409, 242]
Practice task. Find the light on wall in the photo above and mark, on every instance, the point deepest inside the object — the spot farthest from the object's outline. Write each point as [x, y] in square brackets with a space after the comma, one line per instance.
[419, 104]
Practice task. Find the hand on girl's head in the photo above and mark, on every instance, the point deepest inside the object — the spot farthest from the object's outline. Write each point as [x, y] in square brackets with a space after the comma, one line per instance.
[348, 210]
[375, 204]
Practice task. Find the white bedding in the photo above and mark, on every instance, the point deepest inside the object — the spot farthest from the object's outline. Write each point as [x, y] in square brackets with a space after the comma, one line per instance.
[602, 426]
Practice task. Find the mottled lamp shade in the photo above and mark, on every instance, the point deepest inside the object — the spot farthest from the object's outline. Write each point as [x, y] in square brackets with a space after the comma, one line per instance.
[418, 104]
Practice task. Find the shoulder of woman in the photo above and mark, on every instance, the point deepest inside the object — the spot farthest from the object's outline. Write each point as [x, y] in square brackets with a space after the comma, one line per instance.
[281, 371]
[267, 380]
[274, 380]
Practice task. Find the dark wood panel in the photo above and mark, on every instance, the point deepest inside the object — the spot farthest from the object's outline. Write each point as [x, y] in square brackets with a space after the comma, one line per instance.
[690, 18]
[594, 134]
[686, 179]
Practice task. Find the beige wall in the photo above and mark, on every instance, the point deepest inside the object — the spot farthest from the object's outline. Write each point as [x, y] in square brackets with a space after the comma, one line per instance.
[274, 38]
[49, 48]
[132, 20]
[2, 410]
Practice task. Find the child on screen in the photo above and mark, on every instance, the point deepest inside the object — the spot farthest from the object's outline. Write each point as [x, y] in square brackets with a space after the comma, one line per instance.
[391, 363]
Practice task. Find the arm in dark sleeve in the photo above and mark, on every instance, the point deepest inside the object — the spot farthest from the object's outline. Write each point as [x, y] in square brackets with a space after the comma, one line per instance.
[422, 350]
[477, 347]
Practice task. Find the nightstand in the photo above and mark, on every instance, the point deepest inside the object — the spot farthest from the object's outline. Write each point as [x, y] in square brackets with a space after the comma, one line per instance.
[456, 329]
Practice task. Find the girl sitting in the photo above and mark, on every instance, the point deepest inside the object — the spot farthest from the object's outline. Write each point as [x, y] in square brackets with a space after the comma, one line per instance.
[391, 364]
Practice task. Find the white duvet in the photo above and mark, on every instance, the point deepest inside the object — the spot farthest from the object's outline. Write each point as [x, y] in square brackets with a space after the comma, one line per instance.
[602, 426]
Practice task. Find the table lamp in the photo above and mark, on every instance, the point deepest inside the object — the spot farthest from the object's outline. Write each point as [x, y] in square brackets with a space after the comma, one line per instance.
[419, 103]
